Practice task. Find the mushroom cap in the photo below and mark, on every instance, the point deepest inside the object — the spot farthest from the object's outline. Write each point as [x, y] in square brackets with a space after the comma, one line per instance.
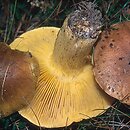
[112, 62]
[18, 77]
[60, 99]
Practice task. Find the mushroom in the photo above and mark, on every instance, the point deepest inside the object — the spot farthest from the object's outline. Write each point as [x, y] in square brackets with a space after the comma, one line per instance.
[112, 62]
[66, 90]
[18, 77]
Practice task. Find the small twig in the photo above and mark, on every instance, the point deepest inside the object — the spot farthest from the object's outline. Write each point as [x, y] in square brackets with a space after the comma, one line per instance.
[58, 9]
[12, 21]
[20, 25]
[3, 83]
[120, 112]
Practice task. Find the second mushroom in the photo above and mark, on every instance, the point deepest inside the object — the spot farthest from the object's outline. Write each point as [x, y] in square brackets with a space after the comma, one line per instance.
[112, 62]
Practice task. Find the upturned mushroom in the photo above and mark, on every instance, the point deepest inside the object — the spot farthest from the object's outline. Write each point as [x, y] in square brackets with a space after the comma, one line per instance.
[18, 77]
[112, 62]
[66, 90]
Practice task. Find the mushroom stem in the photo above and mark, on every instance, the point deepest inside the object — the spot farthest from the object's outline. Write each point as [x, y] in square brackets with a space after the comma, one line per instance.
[76, 38]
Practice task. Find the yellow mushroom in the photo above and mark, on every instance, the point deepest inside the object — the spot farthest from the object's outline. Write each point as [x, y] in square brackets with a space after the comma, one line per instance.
[66, 90]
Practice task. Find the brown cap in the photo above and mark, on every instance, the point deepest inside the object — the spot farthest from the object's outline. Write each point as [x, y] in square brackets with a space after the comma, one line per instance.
[18, 77]
[112, 62]
[60, 98]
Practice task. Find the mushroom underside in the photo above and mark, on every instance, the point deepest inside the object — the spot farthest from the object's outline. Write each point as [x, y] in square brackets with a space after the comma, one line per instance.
[60, 99]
